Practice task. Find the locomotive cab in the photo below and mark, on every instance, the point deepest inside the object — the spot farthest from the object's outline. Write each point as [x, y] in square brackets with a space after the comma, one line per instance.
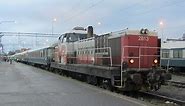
[67, 52]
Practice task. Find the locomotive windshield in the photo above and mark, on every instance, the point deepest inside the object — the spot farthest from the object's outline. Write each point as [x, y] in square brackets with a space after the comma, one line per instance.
[72, 37]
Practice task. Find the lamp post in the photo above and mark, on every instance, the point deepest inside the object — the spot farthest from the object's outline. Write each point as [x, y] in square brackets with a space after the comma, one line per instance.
[161, 24]
[99, 26]
[54, 20]
[1, 45]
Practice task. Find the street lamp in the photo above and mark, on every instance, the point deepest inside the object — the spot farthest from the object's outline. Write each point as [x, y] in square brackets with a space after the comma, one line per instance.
[54, 20]
[99, 25]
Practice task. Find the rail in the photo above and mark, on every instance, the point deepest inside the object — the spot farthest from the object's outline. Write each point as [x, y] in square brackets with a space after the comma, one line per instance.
[163, 97]
[177, 84]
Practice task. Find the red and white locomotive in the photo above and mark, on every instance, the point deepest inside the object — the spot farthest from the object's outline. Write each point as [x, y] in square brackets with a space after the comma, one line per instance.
[127, 59]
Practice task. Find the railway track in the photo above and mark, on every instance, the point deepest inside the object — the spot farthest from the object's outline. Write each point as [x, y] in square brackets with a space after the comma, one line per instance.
[162, 98]
[179, 74]
[177, 84]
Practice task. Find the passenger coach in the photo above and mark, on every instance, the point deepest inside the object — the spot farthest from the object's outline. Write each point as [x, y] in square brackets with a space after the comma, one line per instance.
[173, 55]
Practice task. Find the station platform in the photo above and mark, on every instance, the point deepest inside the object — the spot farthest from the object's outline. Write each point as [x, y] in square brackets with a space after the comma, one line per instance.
[23, 85]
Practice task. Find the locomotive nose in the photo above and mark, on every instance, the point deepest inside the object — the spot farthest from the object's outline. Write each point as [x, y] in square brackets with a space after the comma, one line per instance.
[136, 78]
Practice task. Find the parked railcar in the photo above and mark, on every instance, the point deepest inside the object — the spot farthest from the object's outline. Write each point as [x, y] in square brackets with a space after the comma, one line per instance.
[173, 55]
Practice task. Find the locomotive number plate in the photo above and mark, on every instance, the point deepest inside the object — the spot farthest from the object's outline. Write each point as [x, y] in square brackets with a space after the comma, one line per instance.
[143, 38]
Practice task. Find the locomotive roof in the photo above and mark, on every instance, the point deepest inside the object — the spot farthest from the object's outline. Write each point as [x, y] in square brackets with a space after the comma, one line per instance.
[126, 32]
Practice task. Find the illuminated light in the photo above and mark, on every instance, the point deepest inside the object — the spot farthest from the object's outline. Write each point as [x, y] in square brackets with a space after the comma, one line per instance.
[155, 61]
[54, 19]
[92, 59]
[161, 23]
[131, 61]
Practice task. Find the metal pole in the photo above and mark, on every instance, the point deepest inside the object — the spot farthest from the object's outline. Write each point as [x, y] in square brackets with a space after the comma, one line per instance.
[139, 58]
[1, 45]
[168, 64]
[162, 31]
[52, 29]
[160, 56]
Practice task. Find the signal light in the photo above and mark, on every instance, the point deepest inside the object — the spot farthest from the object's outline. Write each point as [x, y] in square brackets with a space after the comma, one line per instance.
[131, 61]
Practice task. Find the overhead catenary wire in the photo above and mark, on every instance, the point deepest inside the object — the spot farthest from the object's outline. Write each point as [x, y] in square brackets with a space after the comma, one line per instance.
[82, 11]
[145, 12]
[73, 7]
[160, 7]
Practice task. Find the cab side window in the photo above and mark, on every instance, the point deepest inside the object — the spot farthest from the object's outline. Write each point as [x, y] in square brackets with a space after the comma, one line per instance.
[64, 39]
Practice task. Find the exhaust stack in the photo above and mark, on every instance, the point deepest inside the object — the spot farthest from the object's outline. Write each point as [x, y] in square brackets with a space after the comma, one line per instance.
[89, 31]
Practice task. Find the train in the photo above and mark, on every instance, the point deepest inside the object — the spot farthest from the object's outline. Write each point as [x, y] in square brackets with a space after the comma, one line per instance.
[128, 60]
[173, 55]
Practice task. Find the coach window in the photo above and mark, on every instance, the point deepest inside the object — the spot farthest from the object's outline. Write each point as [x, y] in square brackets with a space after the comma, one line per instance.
[64, 39]
[41, 54]
[177, 53]
[165, 53]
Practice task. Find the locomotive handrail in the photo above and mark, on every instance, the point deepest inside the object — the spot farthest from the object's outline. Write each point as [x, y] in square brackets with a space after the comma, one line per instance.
[151, 55]
[139, 55]
[94, 54]
[142, 46]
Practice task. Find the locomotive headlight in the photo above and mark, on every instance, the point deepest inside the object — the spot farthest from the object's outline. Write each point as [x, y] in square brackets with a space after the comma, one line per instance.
[155, 61]
[92, 59]
[131, 61]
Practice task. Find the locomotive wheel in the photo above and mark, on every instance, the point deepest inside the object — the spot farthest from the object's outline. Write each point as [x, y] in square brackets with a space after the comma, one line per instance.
[60, 72]
[152, 87]
[92, 80]
[106, 84]
[157, 86]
